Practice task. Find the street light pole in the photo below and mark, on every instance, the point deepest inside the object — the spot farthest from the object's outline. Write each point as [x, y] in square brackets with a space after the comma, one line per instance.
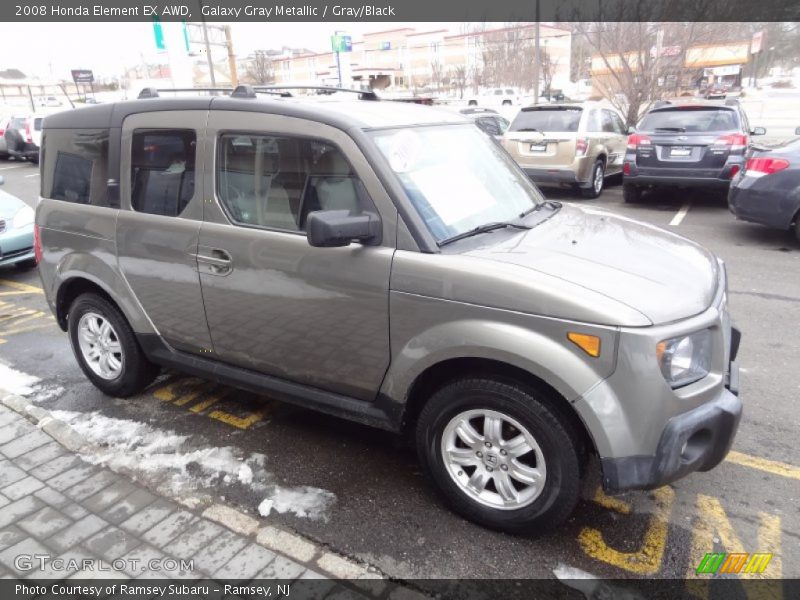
[536, 58]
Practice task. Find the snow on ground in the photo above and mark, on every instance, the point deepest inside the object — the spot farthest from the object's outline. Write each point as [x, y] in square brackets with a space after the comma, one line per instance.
[17, 382]
[303, 501]
[174, 464]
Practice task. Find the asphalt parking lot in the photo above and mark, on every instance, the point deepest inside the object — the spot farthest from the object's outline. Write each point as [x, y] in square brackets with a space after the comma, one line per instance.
[384, 510]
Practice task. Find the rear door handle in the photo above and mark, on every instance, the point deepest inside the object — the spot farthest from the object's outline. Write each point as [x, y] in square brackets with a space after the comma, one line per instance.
[215, 261]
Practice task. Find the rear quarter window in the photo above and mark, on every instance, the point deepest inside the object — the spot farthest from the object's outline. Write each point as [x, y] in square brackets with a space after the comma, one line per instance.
[75, 165]
[691, 120]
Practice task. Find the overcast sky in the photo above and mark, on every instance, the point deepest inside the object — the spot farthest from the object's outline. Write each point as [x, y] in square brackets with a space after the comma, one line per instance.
[52, 49]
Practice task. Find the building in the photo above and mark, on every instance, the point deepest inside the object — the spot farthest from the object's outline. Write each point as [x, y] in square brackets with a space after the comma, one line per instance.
[404, 59]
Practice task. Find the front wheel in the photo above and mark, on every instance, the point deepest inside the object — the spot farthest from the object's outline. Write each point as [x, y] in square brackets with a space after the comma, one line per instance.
[472, 103]
[106, 348]
[597, 181]
[499, 455]
[797, 228]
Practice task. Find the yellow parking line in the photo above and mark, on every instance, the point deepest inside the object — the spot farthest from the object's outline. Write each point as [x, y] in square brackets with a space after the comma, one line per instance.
[770, 466]
[647, 559]
[240, 422]
[22, 287]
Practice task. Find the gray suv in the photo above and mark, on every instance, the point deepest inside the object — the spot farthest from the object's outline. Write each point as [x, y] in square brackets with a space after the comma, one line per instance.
[390, 264]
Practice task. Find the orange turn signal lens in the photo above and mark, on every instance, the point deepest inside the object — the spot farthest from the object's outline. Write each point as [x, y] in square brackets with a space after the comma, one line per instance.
[588, 343]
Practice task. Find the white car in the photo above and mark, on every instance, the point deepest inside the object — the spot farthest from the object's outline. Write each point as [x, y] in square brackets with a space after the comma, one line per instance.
[504, 96]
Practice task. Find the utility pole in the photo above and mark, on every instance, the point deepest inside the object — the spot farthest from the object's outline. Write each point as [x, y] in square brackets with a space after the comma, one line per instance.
[536, 58]
[208, 53]
[231, 56]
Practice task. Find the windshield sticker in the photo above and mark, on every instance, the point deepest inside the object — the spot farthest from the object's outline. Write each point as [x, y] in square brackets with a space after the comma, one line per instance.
[456, 197]
[404, 151]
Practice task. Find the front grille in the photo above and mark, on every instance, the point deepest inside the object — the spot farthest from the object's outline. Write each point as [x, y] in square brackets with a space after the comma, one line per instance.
[2, 225]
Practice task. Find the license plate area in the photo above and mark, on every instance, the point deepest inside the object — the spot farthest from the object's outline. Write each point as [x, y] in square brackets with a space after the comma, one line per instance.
[538, 147]
[680, 151]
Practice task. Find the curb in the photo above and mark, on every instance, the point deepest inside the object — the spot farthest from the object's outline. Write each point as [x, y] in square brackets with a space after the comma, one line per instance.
[367, 578]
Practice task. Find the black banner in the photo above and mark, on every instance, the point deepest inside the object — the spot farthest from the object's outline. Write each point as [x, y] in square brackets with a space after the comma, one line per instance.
[442, 589]
[401, 10]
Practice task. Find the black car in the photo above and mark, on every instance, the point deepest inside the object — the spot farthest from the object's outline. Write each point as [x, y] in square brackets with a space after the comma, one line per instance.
[487, 120]
[767, 190]
[687, 145]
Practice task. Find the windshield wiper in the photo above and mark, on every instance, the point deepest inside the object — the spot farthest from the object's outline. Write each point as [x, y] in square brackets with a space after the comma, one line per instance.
[527, 129]
[675, 129]
[551, 204]
[484, 229]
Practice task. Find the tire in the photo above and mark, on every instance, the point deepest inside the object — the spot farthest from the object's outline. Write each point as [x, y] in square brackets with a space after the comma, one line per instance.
[522, 411]
[506, 102]
[597, 181]
[797, 228]
[631, 193]
[472, 103]
[135, 372]
[26, 265]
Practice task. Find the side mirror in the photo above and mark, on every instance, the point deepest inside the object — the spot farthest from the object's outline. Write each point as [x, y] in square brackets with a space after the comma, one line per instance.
[337, 228]
[631, 129]
[761, 131]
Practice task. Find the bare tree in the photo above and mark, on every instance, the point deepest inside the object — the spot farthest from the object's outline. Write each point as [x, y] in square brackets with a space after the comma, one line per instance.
[259, 69]
[437, 73]
[637, 63]
[458, 78]
[548, 66]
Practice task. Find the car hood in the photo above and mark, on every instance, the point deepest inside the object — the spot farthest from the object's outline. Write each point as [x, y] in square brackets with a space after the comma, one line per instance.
[663, 276]
[9, 205]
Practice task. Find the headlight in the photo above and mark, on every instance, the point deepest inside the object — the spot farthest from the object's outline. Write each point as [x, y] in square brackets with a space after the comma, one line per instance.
[23, 217]
[684, 360]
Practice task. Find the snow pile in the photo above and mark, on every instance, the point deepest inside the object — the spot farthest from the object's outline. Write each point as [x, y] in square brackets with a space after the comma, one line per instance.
[303, 501]
[173, 464]
[17, 382]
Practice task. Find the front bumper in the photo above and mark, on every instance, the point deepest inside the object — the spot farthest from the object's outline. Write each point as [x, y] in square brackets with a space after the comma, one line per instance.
[16, 246]
[694, 441]
[697, 440]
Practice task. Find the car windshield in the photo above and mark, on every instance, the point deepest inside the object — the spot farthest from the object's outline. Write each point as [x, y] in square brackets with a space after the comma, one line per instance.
[457, 177]
[698, 119]
[546, 119]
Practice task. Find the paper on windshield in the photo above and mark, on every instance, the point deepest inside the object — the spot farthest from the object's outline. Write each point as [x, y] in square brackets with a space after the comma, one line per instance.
[452, 191]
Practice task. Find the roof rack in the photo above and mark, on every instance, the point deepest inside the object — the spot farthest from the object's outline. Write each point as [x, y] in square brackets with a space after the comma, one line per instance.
[249, 91]
[324, 89]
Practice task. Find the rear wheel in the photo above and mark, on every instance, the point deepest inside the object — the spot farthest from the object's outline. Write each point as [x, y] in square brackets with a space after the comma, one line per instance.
[596, 182]
[631, 193]
[106, 348]
[506, 102]
[499, 455]
[797, 228]
[472, 103]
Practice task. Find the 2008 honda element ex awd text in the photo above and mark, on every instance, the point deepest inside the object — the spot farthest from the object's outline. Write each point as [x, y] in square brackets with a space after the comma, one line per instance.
[390, 264]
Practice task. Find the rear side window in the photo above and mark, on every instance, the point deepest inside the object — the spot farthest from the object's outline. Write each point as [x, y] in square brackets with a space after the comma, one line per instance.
[162, 170]
[75, 166]
[547, 119]
[489, 125]
[699, 119]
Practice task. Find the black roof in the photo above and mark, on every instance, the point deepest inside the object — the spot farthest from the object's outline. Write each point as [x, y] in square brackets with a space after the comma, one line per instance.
[342, 114]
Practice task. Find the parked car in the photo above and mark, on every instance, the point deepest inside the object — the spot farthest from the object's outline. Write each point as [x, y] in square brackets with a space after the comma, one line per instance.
[16, 231]
[24, 138]
[717, 91]
[499, 96]
[568, 144]
[7, 124]
[487, 121]
[687, 145]
[767, 189]
[525, 335]
[49, 101]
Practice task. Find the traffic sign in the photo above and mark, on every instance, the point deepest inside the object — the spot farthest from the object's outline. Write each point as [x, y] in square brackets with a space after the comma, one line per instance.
[158, 32]
[341, 43]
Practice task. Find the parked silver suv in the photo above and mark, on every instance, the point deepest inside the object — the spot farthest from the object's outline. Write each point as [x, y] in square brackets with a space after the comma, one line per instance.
[390, 264]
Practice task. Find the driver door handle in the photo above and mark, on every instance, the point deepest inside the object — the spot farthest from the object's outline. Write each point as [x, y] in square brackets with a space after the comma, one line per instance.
[215, 261]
